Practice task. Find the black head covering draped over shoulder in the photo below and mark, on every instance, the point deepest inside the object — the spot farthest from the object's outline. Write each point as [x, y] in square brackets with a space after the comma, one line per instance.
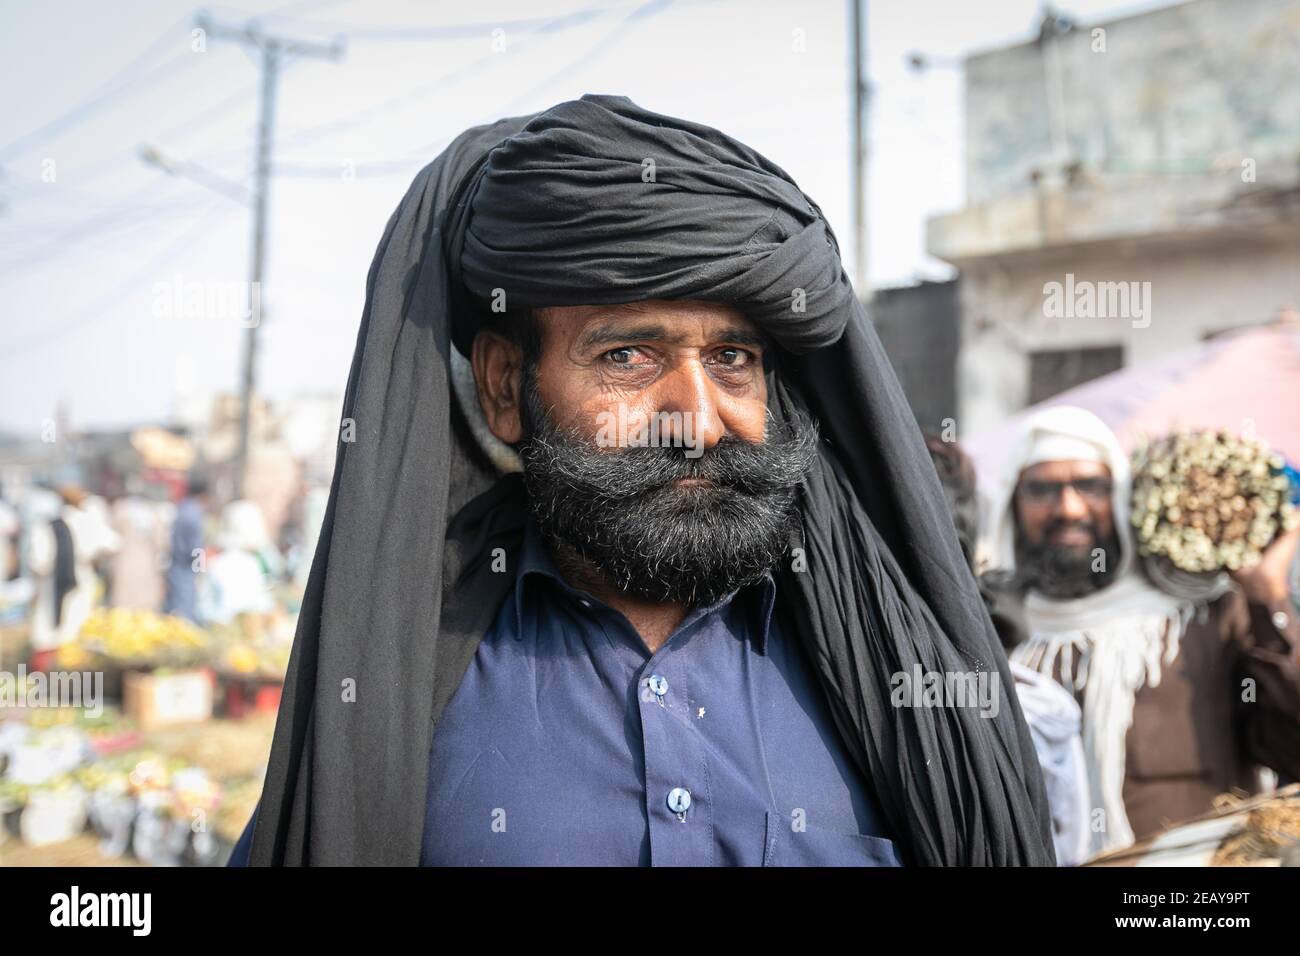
[599, 201]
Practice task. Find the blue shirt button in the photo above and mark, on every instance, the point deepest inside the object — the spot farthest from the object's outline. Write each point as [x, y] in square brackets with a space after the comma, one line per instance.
[679, 799]
[658, 686]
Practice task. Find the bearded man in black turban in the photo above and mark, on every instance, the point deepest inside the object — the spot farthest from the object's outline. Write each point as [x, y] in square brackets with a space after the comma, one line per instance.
[633, 540]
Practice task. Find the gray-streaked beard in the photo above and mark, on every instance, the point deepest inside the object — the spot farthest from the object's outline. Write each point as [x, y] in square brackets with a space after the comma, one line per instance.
[618, 510]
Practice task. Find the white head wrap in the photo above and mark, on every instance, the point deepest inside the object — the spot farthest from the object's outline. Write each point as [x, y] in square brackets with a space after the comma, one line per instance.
[1106, 644]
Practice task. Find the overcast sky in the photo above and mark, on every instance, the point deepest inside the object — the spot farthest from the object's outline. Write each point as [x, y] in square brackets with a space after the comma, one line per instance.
[89, 234]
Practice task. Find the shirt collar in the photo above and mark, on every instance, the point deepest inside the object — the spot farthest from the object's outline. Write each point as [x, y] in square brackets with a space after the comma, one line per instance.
[535, 561]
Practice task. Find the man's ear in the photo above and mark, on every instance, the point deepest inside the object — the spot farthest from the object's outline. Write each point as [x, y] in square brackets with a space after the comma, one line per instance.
[498, 379]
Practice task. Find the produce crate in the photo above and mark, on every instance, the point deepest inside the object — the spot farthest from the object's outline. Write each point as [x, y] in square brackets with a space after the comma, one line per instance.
[159, 699]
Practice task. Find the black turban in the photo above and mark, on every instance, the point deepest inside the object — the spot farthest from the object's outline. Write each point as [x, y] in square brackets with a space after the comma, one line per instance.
[598, 201]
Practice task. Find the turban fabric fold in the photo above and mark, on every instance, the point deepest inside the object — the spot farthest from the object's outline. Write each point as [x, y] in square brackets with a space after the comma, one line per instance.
[598, 201]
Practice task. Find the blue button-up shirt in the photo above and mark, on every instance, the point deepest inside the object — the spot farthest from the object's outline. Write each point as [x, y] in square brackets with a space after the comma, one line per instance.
[568, 742]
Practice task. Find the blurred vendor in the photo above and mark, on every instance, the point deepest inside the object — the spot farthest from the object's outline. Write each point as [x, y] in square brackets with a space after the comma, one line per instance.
[61, 556]
[186, 547]
[1183, 697]
[241, 574]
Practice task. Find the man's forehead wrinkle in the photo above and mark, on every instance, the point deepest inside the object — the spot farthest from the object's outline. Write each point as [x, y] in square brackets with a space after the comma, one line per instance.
[599, 334]
[594, 311]
[606, 334]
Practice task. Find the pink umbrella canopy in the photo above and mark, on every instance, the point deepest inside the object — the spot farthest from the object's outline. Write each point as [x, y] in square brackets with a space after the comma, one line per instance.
[1246, 383]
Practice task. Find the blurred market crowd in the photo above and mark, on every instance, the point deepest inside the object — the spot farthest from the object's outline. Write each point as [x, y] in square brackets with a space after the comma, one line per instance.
[146, 620]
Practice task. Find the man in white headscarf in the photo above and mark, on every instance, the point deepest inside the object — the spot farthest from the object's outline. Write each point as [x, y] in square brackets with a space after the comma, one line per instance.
[1183, 699]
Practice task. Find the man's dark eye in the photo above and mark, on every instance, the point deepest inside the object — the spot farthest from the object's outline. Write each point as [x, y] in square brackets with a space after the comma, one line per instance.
[734, 356]
[620, 356]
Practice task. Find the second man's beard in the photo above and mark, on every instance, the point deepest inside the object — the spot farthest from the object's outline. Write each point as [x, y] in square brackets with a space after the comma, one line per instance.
[1060, 572]
[620, 511]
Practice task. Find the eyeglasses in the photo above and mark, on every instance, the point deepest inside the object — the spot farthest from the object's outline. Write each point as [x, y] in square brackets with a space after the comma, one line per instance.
[1040, 492]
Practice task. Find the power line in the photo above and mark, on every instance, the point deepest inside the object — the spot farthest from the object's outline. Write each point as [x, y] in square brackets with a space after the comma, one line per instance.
[176, 133]
[92, 226]
[419, 154]
[273, 49]
[369, 114]
[117, 228]
[125, 214]
[117, 85]
[417, 93]
[191, 125]
[124, 80]
[97, 308]
[291, 11]
[419, 33]
[642, 11]
[338, 170]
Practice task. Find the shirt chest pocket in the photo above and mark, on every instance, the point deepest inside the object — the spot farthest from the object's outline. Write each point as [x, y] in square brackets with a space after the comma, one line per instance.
[814, 846]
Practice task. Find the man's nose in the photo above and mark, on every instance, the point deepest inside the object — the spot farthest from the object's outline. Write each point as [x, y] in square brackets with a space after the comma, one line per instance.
[1071, 505]
[689, 390]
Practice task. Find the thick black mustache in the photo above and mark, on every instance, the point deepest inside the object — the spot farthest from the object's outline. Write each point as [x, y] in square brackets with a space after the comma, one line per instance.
[752, 468]
[619, 510]
[570, 459]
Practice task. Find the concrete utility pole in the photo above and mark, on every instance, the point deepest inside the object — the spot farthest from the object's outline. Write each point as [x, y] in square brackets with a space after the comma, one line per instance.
[860, 94]
[273, 50]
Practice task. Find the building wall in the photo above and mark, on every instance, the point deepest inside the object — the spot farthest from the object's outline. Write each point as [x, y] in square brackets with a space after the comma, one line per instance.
[918, 325]
[1171, 157]
[1184, 90]
[1196, 290]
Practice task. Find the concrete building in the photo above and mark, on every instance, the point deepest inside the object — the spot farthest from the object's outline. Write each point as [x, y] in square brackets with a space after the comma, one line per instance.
[1133, 187]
